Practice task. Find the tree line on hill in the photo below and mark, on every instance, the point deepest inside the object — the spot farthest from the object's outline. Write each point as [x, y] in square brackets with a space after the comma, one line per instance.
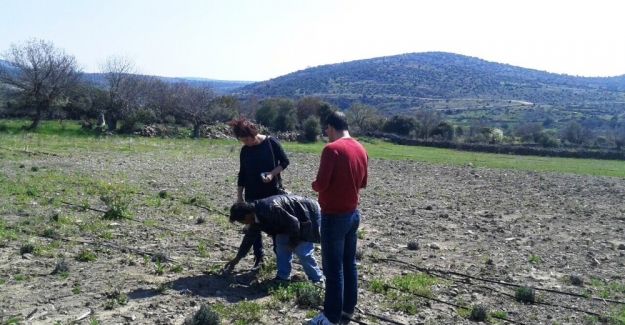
[43, 82]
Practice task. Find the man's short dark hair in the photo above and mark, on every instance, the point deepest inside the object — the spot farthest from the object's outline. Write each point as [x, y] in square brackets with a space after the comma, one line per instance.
[337, 120]
[239, 211]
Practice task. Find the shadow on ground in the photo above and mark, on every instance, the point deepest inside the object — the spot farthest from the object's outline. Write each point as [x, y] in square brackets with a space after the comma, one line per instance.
[233, 288]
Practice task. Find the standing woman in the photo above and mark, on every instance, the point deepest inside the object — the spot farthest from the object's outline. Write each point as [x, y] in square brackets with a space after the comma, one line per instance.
[262, 159]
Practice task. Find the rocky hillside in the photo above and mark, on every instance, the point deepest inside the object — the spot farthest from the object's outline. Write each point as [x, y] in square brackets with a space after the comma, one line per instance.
[409, 80]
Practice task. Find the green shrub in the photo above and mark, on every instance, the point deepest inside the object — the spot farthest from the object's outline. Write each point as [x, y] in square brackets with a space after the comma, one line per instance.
[417, 283]
[311, 129]
[117, 205]
[478, 313]
[61, 267]
[525, 295]
[27, 249]
[308, 295]
[86, 255]
[378, 286]
[204, 316]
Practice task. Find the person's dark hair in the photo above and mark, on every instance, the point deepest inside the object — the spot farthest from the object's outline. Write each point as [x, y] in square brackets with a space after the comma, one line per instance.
[242, 127]
[337, 120]
[238, 211]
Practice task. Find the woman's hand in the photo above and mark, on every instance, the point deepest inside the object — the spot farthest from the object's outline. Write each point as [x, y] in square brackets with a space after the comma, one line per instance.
[267, 177]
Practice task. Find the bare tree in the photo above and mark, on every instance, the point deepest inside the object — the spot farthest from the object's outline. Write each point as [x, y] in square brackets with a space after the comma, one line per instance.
[122, 86]
[195, 103]
[363, 118]
[41, 74]
[428, 119]
[575, 133]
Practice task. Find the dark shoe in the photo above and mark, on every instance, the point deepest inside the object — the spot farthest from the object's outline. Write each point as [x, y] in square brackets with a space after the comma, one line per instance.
[345, 318]
[258, 263]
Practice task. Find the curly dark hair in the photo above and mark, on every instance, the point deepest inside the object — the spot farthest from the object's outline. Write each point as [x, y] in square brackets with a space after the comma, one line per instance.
[242, 127]
[238, 211]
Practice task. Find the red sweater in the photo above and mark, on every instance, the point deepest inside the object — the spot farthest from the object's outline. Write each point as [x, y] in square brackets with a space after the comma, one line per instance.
[342, 173]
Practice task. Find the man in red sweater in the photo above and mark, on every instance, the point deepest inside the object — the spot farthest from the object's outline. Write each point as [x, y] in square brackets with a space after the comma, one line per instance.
[342, 173]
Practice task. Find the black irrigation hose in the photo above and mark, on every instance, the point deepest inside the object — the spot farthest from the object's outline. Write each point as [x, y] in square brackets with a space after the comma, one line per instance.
[431, 270]
[100, 243]
[545, 303]
[445, 302]
[86, 207]
[211, 210]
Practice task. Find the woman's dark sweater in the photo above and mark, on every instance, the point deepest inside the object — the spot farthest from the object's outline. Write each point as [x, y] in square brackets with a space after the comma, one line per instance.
[258, 159]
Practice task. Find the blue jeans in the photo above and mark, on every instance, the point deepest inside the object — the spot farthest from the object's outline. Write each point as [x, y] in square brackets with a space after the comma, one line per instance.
[304, 251]
[338, 253]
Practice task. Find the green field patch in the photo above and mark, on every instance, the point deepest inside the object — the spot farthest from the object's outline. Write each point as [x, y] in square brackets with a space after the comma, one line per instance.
[385, 150]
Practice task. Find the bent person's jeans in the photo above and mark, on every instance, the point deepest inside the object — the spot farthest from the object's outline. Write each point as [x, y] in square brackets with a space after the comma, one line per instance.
[338, 253]
[304, 251]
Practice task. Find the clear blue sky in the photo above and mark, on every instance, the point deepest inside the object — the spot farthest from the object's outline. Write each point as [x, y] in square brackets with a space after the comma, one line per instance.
[262, 39]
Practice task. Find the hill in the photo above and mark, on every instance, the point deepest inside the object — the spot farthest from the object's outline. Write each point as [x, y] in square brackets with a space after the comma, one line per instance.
[410, 81]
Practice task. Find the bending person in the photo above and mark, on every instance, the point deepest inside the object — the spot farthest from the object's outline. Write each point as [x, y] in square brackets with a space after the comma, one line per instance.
[293, 220]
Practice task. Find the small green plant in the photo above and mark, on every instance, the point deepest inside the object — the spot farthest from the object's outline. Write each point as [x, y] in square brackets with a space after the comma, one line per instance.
[204, 316]
[201, 249]
[117, 204]
[61, 267]
[404, 303]
[308, 296]
[268, 270]
[305, 294]
[76, 289]
[500, 314]
[50, 233]
[378, 286]
[86, 255]
[213, 269]
[6, 233]
[576, 280]
[27, 248]
[115, 298]
[415, 283]
[464, 312]
[608, 289]
[361, 233]
[13, 321]
[20, 277]
[534, 259]
[163, 287]
[479, 313]
[106, 234]
[159, 267]
[2, 281]
[94, 321]
[618, 316]
[246, 312]
[413, 245]
[310, 313]
[177, 268]
[525, 295]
